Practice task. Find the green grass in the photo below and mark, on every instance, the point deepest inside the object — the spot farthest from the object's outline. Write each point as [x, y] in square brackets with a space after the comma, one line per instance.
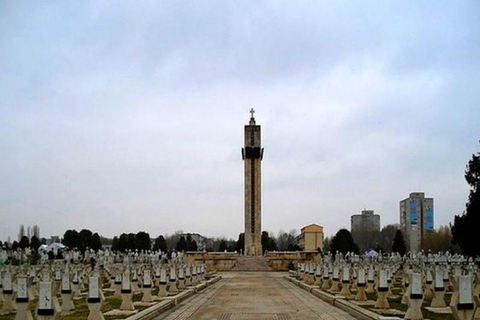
[81, 307]
[396, 303]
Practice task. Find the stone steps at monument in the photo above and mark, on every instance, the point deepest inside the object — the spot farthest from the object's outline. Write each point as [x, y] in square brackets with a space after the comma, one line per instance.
[252, 264]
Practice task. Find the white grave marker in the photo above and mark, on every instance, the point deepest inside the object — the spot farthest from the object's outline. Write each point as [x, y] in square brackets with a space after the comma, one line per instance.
[45, 299]
[22, 292]
[465, 291]
[93, 292]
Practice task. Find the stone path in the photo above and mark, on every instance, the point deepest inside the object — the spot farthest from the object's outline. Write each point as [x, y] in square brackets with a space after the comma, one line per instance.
[255, 295]
[252, 264]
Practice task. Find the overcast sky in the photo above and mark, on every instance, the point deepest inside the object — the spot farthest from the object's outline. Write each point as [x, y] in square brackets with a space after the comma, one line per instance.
[127, 116]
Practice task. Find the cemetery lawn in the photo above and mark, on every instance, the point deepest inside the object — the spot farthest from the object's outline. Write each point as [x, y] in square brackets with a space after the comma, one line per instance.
[81, 308]
[396, 304]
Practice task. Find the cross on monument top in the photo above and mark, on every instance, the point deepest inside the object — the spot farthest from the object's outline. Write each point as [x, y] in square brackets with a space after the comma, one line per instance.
[252, 112]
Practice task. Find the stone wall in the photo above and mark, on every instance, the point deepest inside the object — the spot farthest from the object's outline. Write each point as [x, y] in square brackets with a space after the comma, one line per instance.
[286, 260]
[215, 261]
[225, 261]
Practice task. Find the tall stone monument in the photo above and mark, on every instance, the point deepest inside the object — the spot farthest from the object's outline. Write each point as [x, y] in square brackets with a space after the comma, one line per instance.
[252, 155]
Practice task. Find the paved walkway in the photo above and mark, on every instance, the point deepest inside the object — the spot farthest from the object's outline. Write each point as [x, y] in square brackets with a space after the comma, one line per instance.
[255, 295]
[245, 263]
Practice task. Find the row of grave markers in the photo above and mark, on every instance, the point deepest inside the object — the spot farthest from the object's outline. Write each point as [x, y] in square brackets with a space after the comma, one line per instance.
[20, 285]
[423, 278]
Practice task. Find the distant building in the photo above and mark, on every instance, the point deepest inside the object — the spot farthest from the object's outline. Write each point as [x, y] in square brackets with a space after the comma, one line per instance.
[416, 219]
[365, 228]
[311, 238]
[366, 221]
[53, 239]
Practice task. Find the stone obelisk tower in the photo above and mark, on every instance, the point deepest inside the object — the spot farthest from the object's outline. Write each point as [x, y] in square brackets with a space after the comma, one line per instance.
[252, 155]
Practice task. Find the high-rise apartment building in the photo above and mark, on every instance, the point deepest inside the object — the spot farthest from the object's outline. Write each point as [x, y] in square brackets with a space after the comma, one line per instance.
[365, 228]
[366, 221]
[416, 219]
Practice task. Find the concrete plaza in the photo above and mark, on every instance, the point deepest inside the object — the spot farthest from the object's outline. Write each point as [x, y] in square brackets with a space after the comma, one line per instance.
[254, 295]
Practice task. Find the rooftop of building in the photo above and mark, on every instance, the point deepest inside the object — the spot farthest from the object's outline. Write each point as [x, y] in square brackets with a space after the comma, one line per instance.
[312, 228]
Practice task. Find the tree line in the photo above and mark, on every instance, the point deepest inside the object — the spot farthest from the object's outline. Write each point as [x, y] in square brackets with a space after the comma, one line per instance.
[461, 236]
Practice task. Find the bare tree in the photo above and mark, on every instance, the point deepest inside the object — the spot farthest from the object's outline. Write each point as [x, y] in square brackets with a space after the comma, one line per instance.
[36, 231]
[21, 232]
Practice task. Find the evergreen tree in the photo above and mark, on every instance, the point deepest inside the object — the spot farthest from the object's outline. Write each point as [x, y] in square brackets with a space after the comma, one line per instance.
[24, 242]
[131, 243]
[268, 243]
[343, 242]
[191, 244]
[240, 244]
[122, 245]
[85, 236]
[399, 243]
[95, 242]
[115, 241]
[142, 241]
[160, 244]
[464, 228]
[222, 246]
[71, 239]
[181, 244]
[35, 243]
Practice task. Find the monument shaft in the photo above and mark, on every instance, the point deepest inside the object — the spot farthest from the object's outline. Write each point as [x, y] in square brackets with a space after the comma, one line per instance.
[252, 155]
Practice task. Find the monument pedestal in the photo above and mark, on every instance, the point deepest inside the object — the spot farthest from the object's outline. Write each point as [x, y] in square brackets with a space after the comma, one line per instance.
[370, 287]
[326, 284]
[346, 289]
[335, 286]
[162, 289]
[23, 310]
[135, 287]
[414, 311]
[438, 299]
[75, 289]
[405, 295]
[172, 288]
[361, 295]
[67, 302]
[8, 303]
[118, 290]
[95, 309]
[181, 283]
[429, 294]
[56, 304]
[382, 302]
[147, 294]
[463, 313]
[127, 303]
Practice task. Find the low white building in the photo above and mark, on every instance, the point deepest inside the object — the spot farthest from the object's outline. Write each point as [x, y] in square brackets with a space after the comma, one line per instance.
[55, 246]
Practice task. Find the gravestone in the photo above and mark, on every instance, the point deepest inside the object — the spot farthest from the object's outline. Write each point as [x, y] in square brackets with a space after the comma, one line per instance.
[8, 303]
[94, 301]
[45, 309]
[66, 291]
[382, 291]
[147, 286]
[346, 282]
[415, 297]
[464, 305]
[127, 303]
[22, 300]
[361, 283]
[439, 290]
